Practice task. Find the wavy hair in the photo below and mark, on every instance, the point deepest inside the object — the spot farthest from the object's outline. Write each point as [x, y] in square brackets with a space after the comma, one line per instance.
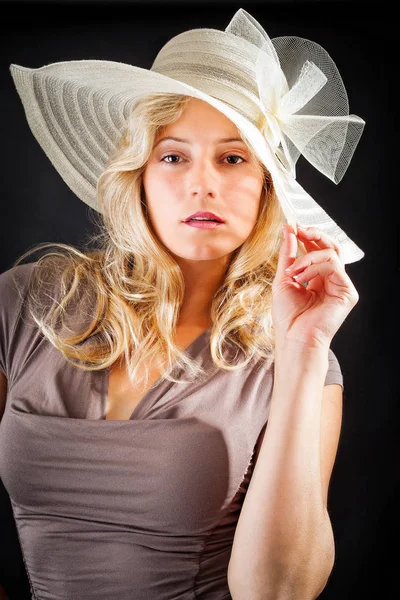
[119, 297]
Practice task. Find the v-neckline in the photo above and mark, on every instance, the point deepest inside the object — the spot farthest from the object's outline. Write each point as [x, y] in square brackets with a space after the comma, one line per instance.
[106, 376]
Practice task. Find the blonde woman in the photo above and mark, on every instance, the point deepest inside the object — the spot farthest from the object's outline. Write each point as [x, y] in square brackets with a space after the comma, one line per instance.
[172, 407]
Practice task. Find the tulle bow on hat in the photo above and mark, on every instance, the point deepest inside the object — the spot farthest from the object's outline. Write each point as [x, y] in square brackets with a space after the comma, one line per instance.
[303, 100]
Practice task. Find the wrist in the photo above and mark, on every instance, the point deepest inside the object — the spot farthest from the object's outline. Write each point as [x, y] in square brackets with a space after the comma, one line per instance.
[294, 352]
[308, 337]
[302, 341]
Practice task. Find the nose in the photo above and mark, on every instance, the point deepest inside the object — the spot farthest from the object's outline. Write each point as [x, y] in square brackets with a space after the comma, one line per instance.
[203, 180]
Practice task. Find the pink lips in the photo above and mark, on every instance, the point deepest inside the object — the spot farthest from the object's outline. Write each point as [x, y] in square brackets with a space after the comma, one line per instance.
[204, 224]
[205, 215]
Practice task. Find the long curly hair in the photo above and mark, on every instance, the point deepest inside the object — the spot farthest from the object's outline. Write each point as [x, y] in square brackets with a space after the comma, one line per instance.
[119, 296]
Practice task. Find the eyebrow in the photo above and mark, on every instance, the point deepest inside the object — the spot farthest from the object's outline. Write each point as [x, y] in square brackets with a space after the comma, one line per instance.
[184, 141]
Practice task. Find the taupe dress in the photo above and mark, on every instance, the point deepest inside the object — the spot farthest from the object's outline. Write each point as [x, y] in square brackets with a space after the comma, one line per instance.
[141, 509]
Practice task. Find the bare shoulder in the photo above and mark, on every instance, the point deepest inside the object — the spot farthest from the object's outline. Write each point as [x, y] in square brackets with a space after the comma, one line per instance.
[3, 393]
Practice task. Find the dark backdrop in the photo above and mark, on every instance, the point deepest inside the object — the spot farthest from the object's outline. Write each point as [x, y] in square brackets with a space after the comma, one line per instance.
[37, 206]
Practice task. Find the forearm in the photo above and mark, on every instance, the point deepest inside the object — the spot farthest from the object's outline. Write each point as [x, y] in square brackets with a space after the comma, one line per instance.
[283, 546]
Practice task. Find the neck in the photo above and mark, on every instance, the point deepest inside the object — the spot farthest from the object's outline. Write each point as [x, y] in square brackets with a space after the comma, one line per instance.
[202, 280]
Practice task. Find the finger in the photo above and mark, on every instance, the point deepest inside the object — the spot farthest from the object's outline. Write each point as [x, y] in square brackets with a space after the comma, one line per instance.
[309, 245]
[288, 249]
[313, 257]
[330, 269]
[320, 238]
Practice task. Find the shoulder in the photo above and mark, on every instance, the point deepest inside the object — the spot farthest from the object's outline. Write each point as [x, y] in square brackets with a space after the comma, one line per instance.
[15, 278]
[14, 285]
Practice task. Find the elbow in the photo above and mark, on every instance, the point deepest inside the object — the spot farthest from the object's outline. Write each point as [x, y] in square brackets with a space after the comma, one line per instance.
[286, 589]
[283, 582]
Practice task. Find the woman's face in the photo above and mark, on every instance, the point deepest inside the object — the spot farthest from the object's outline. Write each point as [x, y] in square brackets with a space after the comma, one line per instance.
[202, 172]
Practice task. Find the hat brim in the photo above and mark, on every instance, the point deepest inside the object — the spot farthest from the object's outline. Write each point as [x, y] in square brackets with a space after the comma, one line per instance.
[77, 111]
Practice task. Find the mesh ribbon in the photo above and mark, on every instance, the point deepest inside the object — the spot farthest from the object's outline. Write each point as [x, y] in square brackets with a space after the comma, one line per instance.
[303, 100]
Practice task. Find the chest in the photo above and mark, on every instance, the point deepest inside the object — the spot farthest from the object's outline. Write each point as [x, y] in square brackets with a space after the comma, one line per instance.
[123, 396]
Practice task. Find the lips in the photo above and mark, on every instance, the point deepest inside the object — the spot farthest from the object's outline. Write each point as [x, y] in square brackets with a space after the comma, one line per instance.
[205, 215]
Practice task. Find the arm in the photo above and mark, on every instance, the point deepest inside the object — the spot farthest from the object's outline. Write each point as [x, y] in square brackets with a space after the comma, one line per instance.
[3, 396]
[284, 547]
[3, 393]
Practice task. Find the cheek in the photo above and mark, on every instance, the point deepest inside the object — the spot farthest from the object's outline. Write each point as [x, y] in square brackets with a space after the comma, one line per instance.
[160, 193]
[245, 192]
[150, 183]
[159, 184]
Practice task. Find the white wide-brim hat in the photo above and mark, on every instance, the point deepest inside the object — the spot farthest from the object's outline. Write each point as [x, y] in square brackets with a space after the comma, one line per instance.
[285, 95]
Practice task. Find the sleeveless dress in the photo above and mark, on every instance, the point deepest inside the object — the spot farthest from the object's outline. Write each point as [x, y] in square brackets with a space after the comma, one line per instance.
[141, 509]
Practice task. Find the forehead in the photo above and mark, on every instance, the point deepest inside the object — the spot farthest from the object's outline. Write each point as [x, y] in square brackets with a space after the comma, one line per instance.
[199, 114]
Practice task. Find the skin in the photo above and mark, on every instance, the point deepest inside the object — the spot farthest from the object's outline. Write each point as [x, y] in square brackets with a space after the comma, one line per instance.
[201, 175]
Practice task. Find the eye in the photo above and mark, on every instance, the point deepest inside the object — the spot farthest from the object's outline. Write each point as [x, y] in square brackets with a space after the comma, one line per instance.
[168, 156]
[235, 156]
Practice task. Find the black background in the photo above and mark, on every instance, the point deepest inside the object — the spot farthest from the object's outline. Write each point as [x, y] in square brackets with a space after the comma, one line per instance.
[37, 206]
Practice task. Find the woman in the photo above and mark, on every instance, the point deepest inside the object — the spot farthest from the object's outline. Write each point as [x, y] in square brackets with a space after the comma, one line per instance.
[172, 404]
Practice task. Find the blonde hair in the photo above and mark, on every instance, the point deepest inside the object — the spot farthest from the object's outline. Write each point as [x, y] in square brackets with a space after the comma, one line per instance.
[122, 297]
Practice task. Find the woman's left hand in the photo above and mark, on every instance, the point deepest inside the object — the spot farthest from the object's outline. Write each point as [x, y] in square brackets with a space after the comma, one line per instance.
[311, 315]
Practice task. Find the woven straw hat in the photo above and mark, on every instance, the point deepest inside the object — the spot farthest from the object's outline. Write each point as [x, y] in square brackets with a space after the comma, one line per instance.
[285, 94]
